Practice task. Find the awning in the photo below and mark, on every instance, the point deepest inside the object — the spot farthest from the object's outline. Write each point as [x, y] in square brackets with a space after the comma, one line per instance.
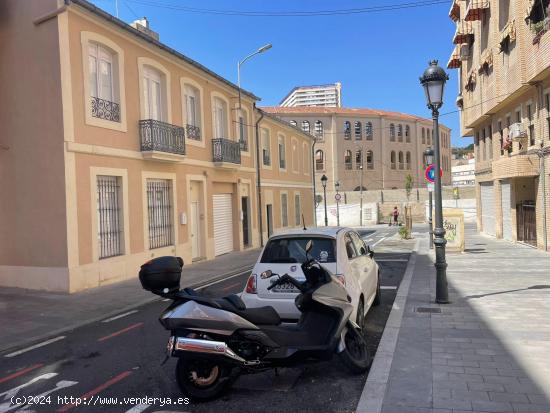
[485, 61]
[475, 9]
[464, 33]
[454, 13]
[508, 33]
[454, 62]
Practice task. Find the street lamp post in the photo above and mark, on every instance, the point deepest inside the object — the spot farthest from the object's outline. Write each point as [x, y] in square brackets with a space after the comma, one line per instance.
[239, 64]
[361, 196]
[433, 80]
[428, 160]
[324, 180]
[337, 186]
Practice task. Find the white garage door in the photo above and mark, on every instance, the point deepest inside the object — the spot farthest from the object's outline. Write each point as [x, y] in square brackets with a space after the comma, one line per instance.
[506, 211]
[488, 208]
[223, 223]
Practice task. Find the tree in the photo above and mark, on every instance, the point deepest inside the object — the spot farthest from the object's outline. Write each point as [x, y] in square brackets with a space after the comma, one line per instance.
[408, 185]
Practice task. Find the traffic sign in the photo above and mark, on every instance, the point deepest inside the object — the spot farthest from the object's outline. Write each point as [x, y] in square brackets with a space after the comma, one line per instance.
[429, 174]
[338, 197]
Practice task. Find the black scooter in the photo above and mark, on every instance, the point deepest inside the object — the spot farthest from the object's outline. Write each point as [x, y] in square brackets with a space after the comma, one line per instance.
[216, 339]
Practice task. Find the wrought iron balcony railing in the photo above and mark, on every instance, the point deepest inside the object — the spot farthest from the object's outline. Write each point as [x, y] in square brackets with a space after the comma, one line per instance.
[161, 136]
[193, 132]
[105, 109]
[226, 150]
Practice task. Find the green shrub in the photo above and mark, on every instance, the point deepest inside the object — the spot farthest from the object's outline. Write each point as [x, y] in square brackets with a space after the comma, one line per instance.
[404, 233]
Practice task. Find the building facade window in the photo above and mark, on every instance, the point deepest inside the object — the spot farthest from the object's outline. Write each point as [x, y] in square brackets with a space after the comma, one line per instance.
[370, 160]
[400, 133]
[266, 147]
[159, 205]
[392, 159]
[305, 126]
[347, 130]
[358, 159]
[154, 94]
[547, 100]
[319, 160]
[242, 125]
[407, 134]
[297, 210]
[531, 125]
[284, 210]
[392, 132]
[282, 153]
[295, 157]
[319, 131]
[109, 216]
[347, 160]
[428, 137]
[293, 123]
[358, 131]
[368, 131]
[192, 102]
[103, 78]
[408, 161]
[220, 117]
[401, 163]
[423, 136]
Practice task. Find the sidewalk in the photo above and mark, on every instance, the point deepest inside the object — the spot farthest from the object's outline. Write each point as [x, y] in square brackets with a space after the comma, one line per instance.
[27, 316]
[487, 351]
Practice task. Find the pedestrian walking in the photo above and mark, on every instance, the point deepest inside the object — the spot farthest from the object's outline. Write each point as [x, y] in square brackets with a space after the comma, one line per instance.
[395, 215]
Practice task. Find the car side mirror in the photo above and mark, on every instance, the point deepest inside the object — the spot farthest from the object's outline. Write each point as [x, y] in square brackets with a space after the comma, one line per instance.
[266, 274]
[370, 252]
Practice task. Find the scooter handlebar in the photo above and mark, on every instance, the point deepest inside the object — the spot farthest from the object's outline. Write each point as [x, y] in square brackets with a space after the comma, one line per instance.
[287, 278]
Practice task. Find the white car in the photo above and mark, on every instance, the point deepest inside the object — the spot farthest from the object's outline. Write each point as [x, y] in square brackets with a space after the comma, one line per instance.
[340, 250]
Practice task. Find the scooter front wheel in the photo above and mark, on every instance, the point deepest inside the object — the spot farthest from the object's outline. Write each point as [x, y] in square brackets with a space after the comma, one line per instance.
[355, 355]
[201, 379]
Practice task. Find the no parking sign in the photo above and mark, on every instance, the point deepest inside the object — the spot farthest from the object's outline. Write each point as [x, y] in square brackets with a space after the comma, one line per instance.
[429, 174]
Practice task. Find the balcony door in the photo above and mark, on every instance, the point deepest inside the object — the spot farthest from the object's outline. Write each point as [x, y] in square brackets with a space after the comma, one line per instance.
[220, 118]
[153, 94]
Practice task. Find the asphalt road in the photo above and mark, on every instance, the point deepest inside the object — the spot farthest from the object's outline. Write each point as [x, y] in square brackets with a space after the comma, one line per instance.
[107, 361]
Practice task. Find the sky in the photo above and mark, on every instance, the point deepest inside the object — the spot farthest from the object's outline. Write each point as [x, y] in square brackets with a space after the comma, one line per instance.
[378, 57]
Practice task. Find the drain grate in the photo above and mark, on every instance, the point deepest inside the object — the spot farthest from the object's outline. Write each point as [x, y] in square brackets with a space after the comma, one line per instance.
[428, 310]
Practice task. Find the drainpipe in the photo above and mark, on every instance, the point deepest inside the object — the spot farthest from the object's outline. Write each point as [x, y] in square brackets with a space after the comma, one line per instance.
[258, 177]
[314, 184]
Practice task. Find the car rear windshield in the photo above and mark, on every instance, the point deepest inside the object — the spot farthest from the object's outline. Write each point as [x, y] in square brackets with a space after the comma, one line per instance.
[292, 250]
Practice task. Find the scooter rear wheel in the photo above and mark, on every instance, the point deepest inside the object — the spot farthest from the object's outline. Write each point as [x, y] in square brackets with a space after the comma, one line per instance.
[356, 355]
[202, 379]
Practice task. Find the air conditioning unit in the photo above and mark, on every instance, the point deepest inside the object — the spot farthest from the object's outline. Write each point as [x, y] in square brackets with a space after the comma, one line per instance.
[464, 52]
[517, 132]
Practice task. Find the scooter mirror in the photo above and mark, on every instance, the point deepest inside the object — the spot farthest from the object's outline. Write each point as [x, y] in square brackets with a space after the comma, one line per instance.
[266, 274]
[309, 246]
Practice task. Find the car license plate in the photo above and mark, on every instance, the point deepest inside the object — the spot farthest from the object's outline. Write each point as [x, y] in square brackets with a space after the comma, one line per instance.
[285, 288]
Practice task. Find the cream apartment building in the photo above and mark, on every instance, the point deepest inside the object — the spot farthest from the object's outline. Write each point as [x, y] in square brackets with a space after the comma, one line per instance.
[115, 148]
[502, 52]
[387, 145]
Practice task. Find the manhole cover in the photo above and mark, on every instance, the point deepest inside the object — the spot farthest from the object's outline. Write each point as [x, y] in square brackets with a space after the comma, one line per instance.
[428, 310]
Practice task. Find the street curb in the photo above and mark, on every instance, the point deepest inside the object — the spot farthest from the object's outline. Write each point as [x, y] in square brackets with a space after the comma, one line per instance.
[374, 391]
[153, 298]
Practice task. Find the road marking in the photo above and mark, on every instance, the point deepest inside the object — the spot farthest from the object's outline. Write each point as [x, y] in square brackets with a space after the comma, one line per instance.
[119, 316]
[119, 332]
[138, 408]
[223, 279]
[44, 343]
[166, 299]
[388, 287]
[380, 240]
[20, 373]
[13, 392]
[97, 390]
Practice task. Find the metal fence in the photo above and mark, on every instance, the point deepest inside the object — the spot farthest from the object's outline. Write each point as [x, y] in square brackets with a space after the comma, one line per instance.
[109, 216]
[225, 150]
[159, 204]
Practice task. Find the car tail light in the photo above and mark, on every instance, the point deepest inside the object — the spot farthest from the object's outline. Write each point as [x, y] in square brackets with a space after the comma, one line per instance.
[251, 285]
[342, 279]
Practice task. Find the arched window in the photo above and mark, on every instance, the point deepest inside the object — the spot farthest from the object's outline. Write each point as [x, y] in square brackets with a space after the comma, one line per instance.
[358, 159]
[423, 136]
[347, 159]
[401, 164]
[319, 132]
[407, 134]
[370, 160]
[429, 136]
[220, 116]
[358, 131]
[408, 161]
[368, 131]
[305, 126]
[392, 132]
[392, 159]
[400, 133]
[293, 123]
[347, 130]
[319, 160]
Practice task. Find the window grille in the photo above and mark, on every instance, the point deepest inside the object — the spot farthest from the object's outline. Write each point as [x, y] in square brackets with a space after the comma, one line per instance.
[109, 216]
[159, 203]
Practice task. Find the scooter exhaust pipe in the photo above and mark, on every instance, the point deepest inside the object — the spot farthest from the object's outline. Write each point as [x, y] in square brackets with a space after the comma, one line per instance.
[195, 345]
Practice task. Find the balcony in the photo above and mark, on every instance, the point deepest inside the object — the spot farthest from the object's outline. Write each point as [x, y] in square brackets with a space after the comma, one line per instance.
[475, 10]
[104, 109]
[464, 33]
[226, 153]
[193, 132]
[454, 61]
[161, 141]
